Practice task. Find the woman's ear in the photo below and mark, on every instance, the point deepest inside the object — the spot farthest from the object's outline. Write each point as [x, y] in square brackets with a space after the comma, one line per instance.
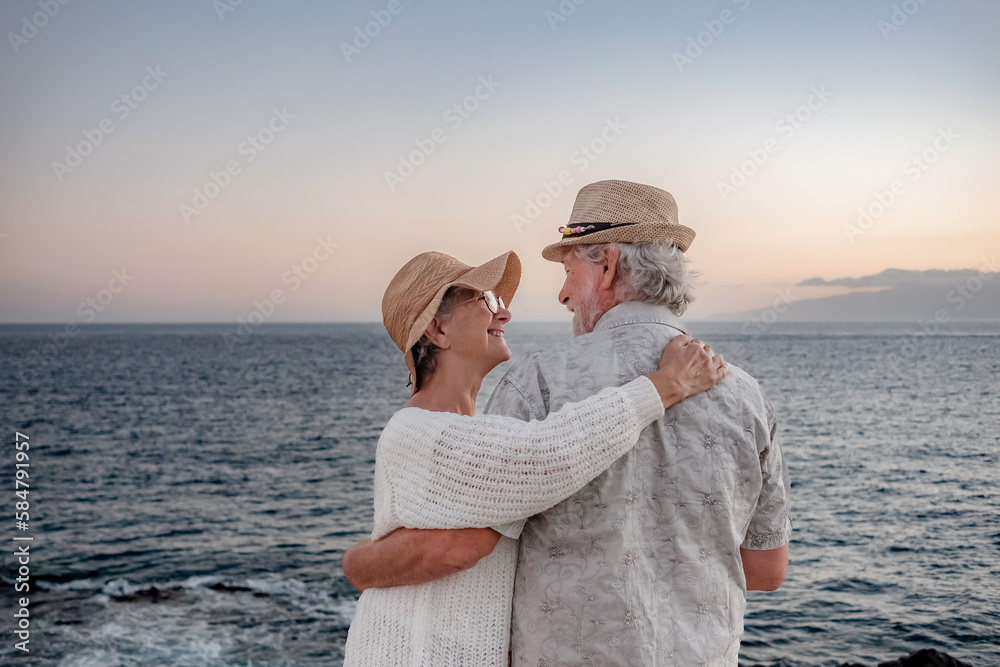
[436, 335]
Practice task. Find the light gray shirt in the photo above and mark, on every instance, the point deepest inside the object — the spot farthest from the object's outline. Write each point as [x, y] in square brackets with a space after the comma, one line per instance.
[642, 566]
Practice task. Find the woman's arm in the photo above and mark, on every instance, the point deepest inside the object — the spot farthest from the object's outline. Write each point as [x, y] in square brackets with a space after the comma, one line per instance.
[449, 471]
[407, 557]
[412, 556]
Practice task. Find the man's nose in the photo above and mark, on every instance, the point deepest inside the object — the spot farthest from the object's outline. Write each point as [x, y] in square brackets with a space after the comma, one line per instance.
[563, 296]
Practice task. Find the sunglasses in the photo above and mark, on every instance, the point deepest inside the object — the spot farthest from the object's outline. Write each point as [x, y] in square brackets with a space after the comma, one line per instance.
[493, 302]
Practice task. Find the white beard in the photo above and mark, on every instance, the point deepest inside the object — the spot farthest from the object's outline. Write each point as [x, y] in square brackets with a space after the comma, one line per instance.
[586, 312]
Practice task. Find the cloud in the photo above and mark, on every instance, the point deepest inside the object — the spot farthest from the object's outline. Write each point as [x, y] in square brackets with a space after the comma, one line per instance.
[895, 278]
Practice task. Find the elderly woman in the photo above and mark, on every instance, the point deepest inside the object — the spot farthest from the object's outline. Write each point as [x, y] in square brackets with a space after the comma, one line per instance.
[438, 466]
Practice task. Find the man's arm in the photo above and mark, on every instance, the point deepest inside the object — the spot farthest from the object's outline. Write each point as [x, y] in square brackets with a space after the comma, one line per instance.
[409, 557]
[764, 569]
[406, 557]
[771, 524]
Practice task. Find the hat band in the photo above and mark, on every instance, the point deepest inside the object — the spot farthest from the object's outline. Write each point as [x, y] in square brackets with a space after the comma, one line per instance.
[591, 228]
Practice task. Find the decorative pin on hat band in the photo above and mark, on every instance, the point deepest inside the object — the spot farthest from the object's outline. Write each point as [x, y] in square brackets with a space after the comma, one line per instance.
[583, 230]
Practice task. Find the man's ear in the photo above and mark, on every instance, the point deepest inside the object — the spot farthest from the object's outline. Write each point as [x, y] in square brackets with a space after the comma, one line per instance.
[610, 266]
[436, 335]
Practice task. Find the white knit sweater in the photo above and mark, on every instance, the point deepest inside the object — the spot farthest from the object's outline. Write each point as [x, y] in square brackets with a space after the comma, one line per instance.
[444, 470]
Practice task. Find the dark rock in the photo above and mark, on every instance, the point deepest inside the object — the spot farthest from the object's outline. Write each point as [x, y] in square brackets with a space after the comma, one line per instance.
[222, 588]
[229, 589]
[927, 657]
[151, 596]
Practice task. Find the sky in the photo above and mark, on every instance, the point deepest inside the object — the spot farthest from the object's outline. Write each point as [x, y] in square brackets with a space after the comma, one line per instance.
[199, 161]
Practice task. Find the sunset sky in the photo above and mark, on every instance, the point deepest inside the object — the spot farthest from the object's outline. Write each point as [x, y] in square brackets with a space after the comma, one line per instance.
[176, 162]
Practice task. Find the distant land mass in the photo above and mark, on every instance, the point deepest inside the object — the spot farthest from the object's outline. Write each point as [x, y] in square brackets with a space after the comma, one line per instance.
[962, 295]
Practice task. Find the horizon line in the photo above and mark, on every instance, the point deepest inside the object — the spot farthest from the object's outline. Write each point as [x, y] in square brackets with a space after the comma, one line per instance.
[711, 320]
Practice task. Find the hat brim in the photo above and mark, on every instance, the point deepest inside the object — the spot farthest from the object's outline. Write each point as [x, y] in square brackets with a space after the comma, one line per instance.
[501, 274]
[642, 232]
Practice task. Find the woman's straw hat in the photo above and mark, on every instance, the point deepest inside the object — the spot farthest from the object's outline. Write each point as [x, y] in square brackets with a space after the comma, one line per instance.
[621, 212]
[413, 296]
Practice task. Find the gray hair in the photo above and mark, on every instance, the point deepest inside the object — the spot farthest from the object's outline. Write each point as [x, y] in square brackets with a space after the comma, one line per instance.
[424, 351]
[650, 272]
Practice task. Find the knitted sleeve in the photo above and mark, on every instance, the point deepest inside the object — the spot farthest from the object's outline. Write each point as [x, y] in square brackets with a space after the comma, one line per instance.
[442, 470]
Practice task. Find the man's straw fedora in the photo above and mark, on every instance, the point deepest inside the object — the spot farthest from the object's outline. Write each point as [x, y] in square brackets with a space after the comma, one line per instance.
[413, 296]
[621, 212]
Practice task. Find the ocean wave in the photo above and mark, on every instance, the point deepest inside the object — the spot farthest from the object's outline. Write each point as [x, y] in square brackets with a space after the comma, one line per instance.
[311, 597]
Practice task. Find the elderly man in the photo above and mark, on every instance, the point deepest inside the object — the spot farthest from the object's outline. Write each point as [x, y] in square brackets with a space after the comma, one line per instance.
[649, 564]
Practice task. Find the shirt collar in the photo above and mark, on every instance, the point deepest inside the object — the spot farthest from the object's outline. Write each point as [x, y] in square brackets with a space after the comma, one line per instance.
[637, 312]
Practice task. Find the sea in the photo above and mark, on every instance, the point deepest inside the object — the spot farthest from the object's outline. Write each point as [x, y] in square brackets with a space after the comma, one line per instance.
[189, 492]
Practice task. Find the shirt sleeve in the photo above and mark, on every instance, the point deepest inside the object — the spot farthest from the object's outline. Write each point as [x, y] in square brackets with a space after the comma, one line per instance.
[771, 525]
[450, 471]
[516, 397]
[511, 399]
